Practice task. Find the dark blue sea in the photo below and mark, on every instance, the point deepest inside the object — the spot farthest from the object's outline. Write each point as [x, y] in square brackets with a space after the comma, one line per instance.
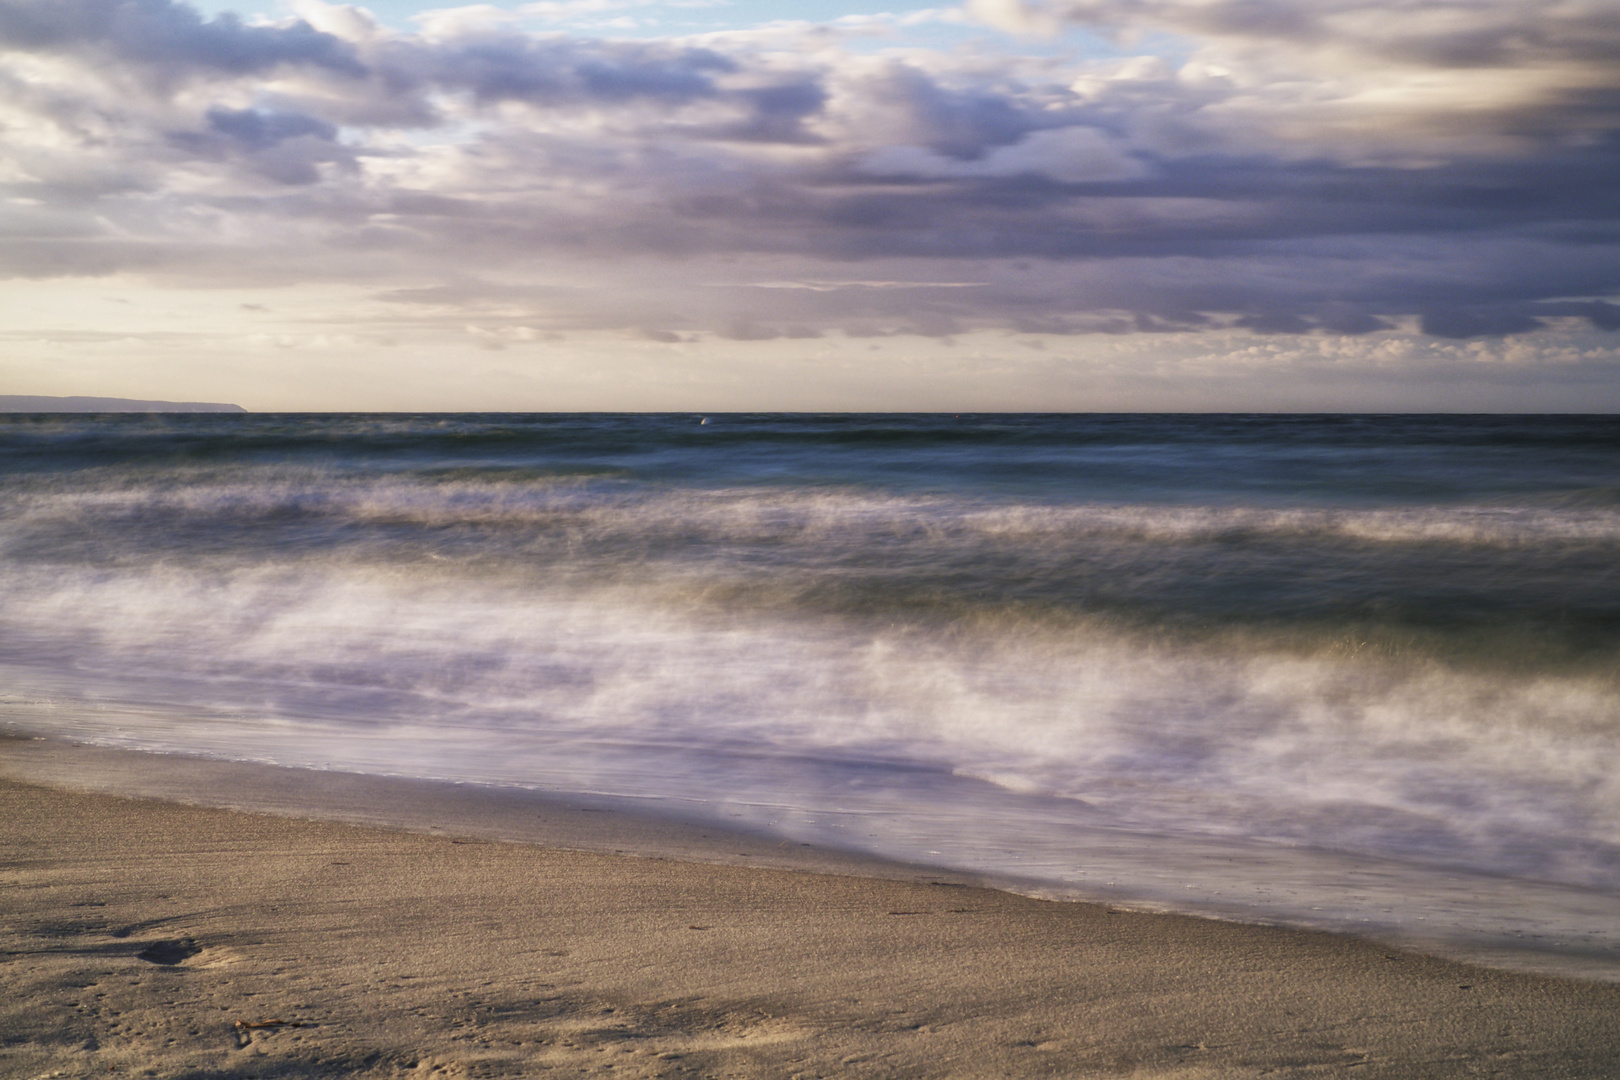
[1355, 672]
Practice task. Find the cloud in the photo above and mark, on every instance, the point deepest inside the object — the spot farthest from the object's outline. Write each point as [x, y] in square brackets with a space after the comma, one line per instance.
[560, 71]
[1287, 168]
[169, 35]
[1430, 33]
[834, 286]
[1478, 322]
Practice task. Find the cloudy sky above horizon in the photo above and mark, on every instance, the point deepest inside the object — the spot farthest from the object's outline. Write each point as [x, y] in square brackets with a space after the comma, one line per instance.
[809, 204]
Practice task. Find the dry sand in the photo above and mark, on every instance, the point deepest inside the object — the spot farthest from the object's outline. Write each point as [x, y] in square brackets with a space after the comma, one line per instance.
[145, 938]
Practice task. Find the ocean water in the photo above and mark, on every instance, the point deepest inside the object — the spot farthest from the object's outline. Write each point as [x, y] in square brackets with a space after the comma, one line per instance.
[1353, 672]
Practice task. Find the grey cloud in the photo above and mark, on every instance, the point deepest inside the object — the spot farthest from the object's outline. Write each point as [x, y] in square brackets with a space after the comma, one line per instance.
[259, 128]
[777, 114]
[1205, 224]
[1275, 322]
[1484, 33]
[1602, 315]
[1478, 322]
[282, 146]
[54, 258]
[1521, 35]
[1342, 318]
[934, 324]
[159, 32]
[957, 123]
[560, 70]
[748, 330]
[1171, 322]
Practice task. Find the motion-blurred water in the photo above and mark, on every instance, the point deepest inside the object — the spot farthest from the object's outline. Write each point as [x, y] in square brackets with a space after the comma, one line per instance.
[1356, 672]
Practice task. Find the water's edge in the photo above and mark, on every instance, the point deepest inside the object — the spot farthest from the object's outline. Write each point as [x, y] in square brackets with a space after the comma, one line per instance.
[659, 828]
[610, 824]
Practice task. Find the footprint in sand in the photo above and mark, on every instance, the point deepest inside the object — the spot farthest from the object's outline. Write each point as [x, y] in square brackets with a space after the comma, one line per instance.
[170, 953]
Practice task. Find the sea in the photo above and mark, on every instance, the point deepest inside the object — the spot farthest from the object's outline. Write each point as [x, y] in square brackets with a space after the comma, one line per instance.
[1357, 673]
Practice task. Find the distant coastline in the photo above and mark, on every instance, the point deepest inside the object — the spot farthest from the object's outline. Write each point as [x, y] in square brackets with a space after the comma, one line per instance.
[24, 403]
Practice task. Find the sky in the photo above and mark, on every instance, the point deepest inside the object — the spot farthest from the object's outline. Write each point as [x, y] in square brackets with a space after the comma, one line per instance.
[1064, 205]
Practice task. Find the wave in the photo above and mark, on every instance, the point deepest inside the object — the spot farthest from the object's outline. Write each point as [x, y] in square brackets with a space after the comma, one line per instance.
[1515, 589]
[604, 499]
[388, 670]
[1396, 639]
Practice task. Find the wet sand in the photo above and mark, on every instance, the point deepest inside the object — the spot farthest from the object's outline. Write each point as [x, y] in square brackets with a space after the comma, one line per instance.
[147, 938]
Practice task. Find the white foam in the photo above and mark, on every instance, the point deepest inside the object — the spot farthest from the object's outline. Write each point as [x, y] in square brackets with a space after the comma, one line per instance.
[597, 504]
[446, 674]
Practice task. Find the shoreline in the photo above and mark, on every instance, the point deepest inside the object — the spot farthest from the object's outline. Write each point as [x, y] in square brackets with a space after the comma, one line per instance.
[718, 834]
[597, 822]
[154, 937]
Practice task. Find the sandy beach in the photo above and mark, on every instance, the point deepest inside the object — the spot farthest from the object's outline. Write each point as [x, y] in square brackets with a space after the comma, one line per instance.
[147, 938]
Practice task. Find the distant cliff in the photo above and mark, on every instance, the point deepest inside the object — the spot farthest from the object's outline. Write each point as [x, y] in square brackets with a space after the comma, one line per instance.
[26, 403]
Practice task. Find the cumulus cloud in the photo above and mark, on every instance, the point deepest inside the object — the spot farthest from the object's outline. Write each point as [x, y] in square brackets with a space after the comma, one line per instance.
[167, 35]
[1287, 167]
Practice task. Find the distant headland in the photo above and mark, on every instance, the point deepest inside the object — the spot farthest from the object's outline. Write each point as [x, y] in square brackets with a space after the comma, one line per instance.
[32, 403]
